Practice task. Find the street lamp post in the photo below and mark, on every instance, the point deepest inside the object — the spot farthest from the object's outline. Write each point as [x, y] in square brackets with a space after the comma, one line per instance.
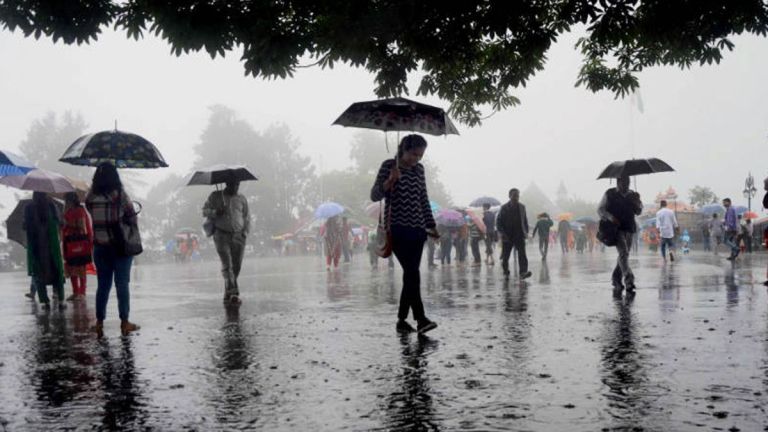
[749, 190]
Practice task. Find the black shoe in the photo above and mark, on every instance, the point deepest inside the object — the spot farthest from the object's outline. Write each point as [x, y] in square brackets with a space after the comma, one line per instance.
[765, 283]
[731, 258]
[403, 327]
[525, 275]
[425, 326]
[631, 288]
[671, 257]
[505, 272]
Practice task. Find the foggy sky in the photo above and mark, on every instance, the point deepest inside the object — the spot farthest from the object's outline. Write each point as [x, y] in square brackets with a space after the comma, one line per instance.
[709, 123]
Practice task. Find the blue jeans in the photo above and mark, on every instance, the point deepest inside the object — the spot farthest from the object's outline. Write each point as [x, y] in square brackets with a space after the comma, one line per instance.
[110, 265]
[664, 243]
[731, 240]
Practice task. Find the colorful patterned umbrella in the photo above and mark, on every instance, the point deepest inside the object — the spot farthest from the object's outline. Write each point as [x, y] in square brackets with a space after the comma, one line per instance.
[397, 114]
[13, 165]
[122, 149]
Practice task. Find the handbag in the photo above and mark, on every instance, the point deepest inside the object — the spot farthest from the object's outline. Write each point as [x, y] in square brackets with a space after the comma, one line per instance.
[77, 250]
[384, 234]
[608, 233]
[209, 227]
[126, 238]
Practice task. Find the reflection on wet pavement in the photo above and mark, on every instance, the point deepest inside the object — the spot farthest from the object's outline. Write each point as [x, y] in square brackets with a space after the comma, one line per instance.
[317, 350]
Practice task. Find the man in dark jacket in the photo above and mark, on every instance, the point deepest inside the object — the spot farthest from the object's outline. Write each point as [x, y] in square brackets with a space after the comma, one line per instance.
[512, 226]
[619, 206]
[543, 225]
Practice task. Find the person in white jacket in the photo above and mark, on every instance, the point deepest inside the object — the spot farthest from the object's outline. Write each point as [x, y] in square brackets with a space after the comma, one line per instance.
[667, 224]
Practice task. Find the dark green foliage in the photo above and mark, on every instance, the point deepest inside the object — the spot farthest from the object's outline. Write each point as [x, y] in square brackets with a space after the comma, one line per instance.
[472, 53]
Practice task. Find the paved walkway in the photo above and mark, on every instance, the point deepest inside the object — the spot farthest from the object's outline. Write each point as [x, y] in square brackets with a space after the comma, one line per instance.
[310, 350]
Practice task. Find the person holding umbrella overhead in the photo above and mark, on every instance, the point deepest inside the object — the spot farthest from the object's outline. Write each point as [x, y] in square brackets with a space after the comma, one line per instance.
[334, 237]
[401, 181]
[108, 203]
[619, 206]
[44, 263]
[228, 210]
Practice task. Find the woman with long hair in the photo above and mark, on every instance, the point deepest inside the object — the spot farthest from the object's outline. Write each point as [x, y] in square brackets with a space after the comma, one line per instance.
[401, 181]
[77, 237]
[107, 201]
[44, 264]
[333, 239]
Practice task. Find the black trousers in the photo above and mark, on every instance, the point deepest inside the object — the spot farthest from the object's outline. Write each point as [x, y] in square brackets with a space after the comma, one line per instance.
[475, 243]
[506, 251]
[544, 245]
[407, 246]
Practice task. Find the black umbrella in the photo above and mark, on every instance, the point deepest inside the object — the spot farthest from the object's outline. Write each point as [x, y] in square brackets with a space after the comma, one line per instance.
[15, 223]
[632, 167]
[220, 174]
[397, 114]
[122, 149]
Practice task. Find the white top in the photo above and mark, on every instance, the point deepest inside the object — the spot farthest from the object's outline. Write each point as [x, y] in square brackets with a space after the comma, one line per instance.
[667, 222]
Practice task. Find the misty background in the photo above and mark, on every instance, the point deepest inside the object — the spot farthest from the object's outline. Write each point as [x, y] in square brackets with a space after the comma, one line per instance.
[708, 122]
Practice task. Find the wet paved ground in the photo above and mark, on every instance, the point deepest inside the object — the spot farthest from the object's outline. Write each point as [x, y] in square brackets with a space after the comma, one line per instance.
[315, 351]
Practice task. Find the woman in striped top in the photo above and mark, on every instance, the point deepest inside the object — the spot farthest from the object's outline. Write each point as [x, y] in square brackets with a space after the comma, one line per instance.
[401, 181]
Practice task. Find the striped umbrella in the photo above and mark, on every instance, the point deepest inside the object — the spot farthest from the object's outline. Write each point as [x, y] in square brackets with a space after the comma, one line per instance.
[14, 165]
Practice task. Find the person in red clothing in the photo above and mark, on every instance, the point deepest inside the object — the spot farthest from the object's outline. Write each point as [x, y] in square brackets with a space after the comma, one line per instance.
[77, 238]
[333, 239]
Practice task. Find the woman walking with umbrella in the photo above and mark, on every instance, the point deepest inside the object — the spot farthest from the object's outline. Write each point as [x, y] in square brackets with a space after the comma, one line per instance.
[77, 236]
[402, 182]
[44, 265]
[333, 237]
[107, 202]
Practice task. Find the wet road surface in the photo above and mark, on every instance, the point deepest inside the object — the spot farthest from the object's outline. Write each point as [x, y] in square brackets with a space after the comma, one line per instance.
[310, 350]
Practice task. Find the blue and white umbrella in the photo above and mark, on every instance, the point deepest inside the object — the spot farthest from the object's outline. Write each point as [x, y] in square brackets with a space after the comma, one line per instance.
[14, 165]
[328, 210]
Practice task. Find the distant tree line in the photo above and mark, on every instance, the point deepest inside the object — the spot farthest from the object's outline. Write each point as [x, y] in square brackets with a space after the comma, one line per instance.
[284, 197]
